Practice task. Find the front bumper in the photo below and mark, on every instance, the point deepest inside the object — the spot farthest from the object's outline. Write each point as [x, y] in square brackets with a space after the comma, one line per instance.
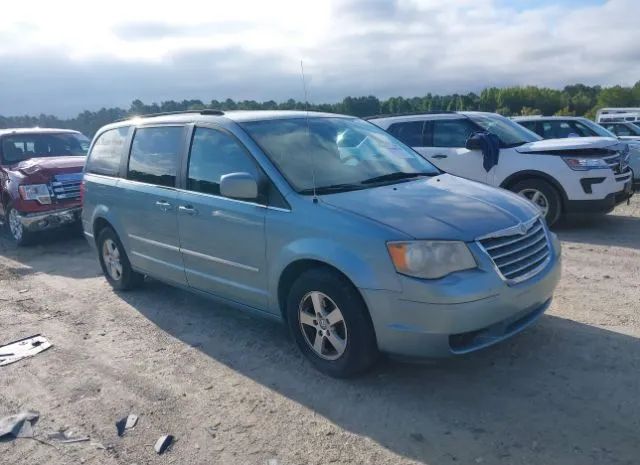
[605, 205]
[470, 312]
[41, 221]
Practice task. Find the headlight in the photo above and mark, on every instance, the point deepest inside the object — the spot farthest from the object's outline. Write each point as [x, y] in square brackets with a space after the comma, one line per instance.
[430, 259]
[39, 192]
[584, 164]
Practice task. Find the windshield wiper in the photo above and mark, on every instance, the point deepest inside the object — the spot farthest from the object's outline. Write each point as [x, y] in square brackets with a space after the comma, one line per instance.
[331, 189]
[396, 176]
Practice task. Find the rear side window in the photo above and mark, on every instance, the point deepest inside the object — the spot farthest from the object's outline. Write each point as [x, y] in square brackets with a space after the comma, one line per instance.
[106, 152]
[409, 132]
[214, 154]
[154, 155]
[452, 132]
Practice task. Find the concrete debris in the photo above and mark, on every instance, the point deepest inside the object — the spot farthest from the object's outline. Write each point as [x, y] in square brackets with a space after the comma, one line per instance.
[126, 423]
[67, 437]
[23, 348]
[19, 425]
[163, 443]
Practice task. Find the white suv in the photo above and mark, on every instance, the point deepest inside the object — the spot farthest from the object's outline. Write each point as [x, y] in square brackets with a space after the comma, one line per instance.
[582, 175]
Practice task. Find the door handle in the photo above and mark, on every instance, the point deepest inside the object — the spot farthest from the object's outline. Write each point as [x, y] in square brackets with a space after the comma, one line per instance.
[188, 209]
[440, 155]
[163, 205]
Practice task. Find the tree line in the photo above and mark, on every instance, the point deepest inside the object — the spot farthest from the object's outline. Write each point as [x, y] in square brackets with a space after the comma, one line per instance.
[573, 100]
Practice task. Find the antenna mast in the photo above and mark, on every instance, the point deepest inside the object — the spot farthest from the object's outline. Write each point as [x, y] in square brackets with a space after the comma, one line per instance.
[306, 101]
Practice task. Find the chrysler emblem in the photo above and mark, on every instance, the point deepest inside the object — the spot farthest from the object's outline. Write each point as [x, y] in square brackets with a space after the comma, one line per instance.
[523, 228]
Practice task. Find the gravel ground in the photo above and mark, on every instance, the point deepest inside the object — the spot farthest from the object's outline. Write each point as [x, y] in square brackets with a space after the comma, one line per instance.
[233, 389]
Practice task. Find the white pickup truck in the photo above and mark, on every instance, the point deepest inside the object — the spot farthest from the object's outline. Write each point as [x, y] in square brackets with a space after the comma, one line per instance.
[561, 176]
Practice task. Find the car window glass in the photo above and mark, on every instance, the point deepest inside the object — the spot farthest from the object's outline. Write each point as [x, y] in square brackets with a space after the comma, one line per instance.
[530, 125]
[214, 154]
[19, 147]
[154, 155]
[107, 150]
[409, 132]
[583, 130]
[622, 130]
[451, 133]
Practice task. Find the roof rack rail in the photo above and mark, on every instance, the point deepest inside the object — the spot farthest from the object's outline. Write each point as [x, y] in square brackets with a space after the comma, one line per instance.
[206, 111]
[410, 113]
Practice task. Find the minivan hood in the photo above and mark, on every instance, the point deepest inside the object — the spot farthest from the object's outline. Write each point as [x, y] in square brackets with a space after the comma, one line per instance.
[442, 207]
[569, 143]
[44, 168]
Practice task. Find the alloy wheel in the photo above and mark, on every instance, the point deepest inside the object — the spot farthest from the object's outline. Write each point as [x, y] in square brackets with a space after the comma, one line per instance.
[537, 198]
[111, 257]
[322, 325]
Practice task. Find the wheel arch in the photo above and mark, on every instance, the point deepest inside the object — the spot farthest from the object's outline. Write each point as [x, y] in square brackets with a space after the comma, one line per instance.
[534, 174]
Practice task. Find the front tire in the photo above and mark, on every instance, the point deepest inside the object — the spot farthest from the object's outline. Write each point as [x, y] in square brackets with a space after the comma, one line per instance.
[15, 228]
[543, 195]
[115, 263]
[330, 323]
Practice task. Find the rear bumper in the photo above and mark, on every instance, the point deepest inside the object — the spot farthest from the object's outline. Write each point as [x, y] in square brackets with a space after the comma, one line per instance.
[42, 221]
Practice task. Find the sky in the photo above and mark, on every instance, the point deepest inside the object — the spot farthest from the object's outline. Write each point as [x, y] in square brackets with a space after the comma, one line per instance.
[67, 56]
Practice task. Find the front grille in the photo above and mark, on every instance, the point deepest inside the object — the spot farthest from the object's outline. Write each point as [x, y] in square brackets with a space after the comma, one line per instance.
[619, 164]
[66, 186]
[518, 255]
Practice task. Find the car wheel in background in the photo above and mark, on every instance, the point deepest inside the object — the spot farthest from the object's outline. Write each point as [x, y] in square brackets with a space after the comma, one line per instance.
[15, 228]
[330, 323]
[115, 263]
[543, 195]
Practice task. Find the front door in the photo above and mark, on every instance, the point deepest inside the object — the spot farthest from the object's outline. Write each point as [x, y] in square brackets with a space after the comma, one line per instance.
[148, 210]
[222, 239]
[444, 146]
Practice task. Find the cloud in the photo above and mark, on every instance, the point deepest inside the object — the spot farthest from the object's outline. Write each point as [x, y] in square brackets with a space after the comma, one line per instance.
[63, 64]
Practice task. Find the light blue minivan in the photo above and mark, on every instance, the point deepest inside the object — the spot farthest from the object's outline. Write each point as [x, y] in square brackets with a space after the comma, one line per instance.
[323, 221]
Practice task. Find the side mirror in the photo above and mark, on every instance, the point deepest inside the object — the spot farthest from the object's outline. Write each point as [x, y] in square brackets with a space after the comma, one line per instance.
[239, 186]
[473, 142]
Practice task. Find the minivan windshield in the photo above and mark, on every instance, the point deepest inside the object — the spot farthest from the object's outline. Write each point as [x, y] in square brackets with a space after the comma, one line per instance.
[341, 153]
[19, 147]
[510, 133]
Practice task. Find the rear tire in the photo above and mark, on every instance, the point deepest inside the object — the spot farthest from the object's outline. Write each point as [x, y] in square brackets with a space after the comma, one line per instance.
[15, 229]
[544, 196]
[115, 263]
[330, 323]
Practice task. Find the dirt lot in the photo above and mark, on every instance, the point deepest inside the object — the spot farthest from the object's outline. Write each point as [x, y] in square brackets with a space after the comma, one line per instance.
[233, 389]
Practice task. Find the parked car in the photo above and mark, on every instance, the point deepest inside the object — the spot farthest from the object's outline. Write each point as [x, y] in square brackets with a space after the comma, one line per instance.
[560, 176]
[555, 127]
[610, 115]
[40, 173]
[323, 221]
[625, 131]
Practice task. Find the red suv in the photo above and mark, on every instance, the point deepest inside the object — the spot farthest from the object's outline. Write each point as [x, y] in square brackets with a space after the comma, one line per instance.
[40, 175]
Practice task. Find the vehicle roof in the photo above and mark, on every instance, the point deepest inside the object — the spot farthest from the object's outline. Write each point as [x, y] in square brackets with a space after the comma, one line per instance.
[36, 131]
[546, 118]
[237, 116]
[426, 114]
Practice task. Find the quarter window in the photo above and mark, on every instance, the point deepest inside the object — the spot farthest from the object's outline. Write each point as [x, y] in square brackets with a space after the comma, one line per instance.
[451, 132]
[154, 155]
[410, 133]
[214, 154]
[106, 152]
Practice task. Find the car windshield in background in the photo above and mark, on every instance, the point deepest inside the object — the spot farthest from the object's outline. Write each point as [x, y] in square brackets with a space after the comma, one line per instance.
[343, 153]
[19, 147]
[510, 133]
[597, 129]
[633, 129]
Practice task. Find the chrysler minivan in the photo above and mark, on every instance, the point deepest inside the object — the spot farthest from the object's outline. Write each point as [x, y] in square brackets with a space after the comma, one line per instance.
[325, 222]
